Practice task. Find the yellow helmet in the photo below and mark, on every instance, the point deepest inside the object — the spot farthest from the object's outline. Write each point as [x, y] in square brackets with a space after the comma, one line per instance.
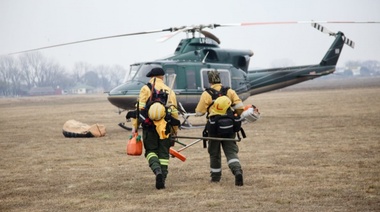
[221, 105]
[156, 111]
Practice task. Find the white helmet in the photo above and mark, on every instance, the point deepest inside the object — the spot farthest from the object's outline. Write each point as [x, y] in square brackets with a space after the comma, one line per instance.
[156, 111]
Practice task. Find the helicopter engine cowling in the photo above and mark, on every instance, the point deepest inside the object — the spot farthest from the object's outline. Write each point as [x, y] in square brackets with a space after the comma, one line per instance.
[238, 58]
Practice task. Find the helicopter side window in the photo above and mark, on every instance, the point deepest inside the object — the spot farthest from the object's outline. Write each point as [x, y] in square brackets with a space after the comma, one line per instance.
[190, 79]
[224, 77]
[211, 56]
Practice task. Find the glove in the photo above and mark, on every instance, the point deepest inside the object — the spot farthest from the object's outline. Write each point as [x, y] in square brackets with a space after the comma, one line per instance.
[133, 130]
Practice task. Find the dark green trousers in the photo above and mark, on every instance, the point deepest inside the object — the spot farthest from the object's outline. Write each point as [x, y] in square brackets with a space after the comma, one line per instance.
[230, 149]
[156, 151]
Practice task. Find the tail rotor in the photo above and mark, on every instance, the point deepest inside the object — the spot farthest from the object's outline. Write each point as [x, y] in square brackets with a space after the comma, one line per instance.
[323, 29]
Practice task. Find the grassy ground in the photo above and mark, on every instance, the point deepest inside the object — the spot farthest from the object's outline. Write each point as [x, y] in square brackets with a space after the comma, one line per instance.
[313, 150]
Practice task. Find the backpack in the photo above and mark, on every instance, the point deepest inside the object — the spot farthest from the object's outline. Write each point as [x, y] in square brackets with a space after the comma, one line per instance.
[225, 125]
[157, 96]
[160, 96]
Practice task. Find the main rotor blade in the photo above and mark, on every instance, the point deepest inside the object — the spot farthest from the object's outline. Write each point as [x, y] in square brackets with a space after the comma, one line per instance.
[295, 22]
[93, 39]
[175, 31]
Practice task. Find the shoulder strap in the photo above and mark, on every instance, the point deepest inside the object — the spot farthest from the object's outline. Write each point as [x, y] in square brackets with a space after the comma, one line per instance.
[149, 85]
[224, 90]
[152, 92]
[215, 94]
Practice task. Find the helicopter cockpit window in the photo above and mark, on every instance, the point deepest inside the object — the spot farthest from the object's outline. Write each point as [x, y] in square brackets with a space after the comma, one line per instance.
[225, 77]
[131, 72]
[141, 73]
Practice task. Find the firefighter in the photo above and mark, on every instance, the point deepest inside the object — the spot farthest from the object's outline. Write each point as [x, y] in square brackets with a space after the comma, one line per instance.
[157, 124]
[230, 148]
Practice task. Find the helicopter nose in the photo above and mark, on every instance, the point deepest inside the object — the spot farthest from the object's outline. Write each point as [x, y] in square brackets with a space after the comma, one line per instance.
[125, 95]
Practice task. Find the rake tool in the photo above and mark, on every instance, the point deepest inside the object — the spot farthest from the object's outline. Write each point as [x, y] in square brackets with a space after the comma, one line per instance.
[177, 154]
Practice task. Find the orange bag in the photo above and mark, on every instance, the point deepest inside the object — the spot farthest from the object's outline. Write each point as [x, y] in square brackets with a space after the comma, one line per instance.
[134, 145]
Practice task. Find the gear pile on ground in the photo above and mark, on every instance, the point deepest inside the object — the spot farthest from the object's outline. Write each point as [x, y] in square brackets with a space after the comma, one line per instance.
[76, 129]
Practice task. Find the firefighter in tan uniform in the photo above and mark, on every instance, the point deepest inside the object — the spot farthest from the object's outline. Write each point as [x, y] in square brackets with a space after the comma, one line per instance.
[230, 148]
[158, 123]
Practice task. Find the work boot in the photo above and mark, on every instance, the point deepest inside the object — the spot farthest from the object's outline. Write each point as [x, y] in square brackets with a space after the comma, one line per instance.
[239, 178]
[215, 176]
[160, 181]
[215, 179]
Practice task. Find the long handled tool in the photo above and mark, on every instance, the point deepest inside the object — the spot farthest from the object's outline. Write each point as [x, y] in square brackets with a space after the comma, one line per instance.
[209, 138]
[178, 155]
[189, 145]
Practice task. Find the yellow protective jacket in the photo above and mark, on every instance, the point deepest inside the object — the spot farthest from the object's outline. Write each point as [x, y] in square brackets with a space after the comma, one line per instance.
[206, 100]
[145, 94]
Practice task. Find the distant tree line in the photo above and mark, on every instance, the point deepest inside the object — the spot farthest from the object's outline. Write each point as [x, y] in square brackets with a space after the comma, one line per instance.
[18, 74]
[364, 68]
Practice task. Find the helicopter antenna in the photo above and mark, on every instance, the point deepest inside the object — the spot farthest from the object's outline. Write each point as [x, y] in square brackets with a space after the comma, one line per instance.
[204, 59]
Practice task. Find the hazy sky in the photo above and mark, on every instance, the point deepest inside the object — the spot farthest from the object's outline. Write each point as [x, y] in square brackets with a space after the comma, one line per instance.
[28, 24]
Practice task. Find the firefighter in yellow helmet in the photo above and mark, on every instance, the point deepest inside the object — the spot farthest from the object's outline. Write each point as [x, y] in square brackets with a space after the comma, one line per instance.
[217, 108]
[158, 126]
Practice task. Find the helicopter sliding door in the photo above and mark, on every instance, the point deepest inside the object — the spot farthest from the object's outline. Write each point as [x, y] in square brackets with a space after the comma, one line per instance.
[188, 85]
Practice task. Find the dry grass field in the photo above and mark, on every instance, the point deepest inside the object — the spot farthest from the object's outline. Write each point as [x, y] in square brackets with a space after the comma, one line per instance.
[316, 148]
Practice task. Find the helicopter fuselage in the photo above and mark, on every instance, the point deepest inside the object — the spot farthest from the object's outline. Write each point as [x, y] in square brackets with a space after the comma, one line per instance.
[190, 81]
[194, 57]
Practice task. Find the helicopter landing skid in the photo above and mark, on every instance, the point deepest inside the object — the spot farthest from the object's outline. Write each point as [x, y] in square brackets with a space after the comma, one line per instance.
[122, 125]
[186, 123]
[192, 126]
